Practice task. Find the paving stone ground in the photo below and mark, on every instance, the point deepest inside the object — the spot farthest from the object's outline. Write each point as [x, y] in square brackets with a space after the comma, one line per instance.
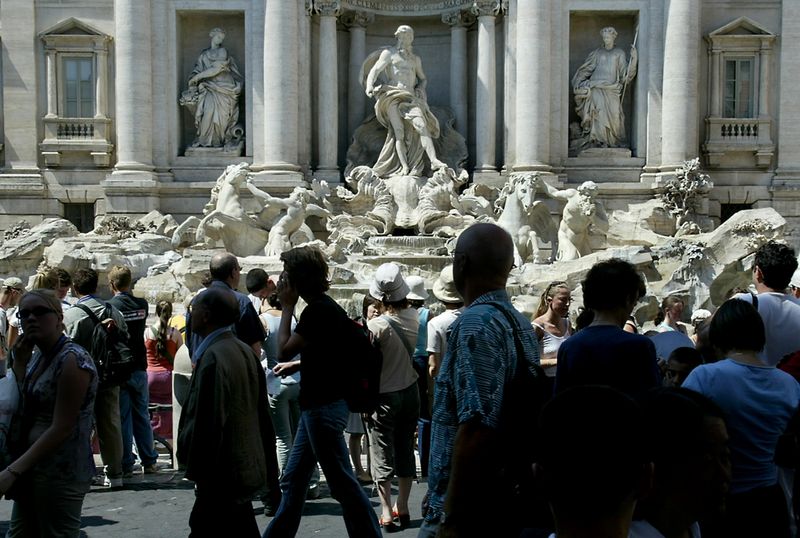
[159, 505]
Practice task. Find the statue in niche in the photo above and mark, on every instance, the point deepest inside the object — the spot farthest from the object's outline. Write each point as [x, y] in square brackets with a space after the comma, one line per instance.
[395, 78]
[582, 216]
[213, 97]
[599, 86]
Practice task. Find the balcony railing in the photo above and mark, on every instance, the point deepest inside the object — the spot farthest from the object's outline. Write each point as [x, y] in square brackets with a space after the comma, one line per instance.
[90, 136]
[737, 135]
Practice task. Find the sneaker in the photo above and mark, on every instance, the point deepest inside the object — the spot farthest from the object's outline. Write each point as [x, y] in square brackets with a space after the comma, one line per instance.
[113, 482]
[313, 493]
[127, 474]
[151, 469]
[270, 509]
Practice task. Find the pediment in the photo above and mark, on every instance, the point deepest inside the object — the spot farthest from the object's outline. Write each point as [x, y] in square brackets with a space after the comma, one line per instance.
[743, 26]
[72, 27]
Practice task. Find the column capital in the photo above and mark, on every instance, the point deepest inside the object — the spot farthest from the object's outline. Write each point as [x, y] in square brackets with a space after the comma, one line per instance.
[326, 8]
[486, 8]
[458, 18]
[356, 19]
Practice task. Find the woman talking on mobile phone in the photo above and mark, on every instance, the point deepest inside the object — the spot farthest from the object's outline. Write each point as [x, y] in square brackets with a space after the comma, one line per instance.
[52, 463]
[324, 355]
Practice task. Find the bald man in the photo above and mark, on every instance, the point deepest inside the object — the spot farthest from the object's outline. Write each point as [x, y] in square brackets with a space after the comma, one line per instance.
[226, 438]
[479, 363]
[225, 274]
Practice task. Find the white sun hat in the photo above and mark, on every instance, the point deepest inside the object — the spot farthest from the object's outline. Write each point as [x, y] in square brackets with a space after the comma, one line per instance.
[388, 284]
[444, 288]
[417, 285]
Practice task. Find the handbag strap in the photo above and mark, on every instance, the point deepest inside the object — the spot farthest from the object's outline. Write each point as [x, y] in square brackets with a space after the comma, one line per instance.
[396, 328]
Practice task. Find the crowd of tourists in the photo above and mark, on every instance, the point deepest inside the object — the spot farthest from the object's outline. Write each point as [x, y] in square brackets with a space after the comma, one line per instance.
[525, 424]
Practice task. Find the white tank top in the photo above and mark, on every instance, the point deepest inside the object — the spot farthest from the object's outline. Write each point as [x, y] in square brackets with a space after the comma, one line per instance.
[549, 345]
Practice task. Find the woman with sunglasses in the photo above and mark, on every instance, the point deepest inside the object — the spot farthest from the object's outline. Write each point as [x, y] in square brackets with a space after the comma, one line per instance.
[51, 461]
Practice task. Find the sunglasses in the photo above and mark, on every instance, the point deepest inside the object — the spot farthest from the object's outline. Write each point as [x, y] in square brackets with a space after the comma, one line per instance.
[38, 312]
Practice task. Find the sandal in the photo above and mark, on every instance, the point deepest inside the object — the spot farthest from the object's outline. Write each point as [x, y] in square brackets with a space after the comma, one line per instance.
[388, 526]
[403, 519]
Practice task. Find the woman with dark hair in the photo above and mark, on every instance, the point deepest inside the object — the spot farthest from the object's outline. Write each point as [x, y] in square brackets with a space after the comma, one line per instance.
[759, 402]
[320, 340]
[669, 315]
[52, 466]
[161, 342]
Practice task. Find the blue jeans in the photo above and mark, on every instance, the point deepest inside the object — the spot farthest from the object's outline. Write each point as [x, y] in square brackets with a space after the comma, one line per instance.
[320, 438]
[285, 410]
[428, 529]
[133, 402]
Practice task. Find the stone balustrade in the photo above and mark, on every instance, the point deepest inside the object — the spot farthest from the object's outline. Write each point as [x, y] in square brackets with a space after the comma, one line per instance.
[89, 136]
[729, 135]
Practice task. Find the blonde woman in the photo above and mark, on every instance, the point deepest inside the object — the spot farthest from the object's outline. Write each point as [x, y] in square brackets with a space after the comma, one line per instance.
[551, 323]
[52, 465]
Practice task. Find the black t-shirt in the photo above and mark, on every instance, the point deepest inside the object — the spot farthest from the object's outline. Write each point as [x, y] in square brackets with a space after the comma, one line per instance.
[607, 355]
[323, 325]
[134, 310]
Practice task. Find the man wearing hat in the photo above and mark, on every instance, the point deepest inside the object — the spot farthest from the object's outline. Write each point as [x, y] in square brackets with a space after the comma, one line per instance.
[9, 299]
[794, 284]
[416, 299]
[445, 290]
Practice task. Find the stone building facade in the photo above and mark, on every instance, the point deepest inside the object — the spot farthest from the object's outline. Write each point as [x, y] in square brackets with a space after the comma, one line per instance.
[91, 121]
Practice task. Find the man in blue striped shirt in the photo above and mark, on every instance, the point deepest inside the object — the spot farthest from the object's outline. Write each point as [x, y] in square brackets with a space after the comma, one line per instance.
[481, 358]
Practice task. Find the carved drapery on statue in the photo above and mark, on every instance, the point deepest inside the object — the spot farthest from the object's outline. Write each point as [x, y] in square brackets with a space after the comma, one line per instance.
[600, 85]
[412, 109]
[213, 97]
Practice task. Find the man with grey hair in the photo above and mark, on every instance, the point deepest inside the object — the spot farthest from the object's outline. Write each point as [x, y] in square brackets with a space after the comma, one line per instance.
[582, 216]
[225, 273]
[401, 104]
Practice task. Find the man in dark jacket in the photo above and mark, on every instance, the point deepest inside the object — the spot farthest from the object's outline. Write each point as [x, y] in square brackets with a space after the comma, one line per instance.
[226, 438]
[133, 394]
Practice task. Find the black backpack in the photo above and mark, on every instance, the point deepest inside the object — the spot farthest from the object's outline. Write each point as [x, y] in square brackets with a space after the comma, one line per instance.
[523, 400]
[366, 361]
[111, 354]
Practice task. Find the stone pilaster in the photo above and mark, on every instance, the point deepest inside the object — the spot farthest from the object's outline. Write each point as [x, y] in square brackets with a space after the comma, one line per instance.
[52, 82]
[679, 131]
[327, 91]
[356, 23]
[486, 93]
[788, 104]
[533, 85]
[20, 116]
[134, 91]
[281, 93]
[101, 81]
[458, 22]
